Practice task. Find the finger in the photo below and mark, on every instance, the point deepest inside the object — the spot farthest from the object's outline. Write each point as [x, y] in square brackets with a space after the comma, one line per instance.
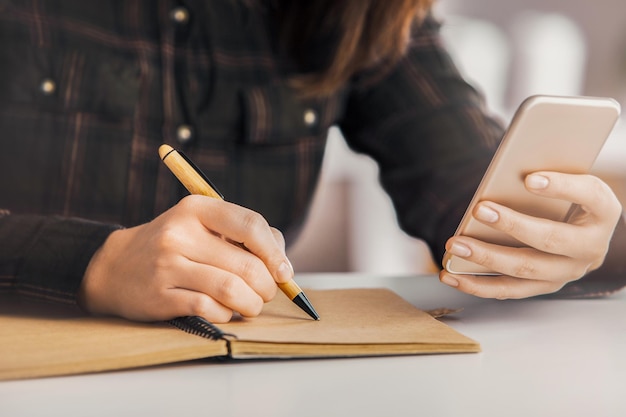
[280, 240]
[182, 302]
[501, 287]
[278, 236]
[206, 248]
[545, 235]
[250, 268]
[177, 302]
[524, 262]
[248, 227]
[588, 191]
[226, 288]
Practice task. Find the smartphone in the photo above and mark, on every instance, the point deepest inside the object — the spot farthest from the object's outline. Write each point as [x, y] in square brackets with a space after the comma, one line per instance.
[547, 133]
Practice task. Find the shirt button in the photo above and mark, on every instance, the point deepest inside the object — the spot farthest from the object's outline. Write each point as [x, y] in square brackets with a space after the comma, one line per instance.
[184, 133]
[179, 15]
[310, 117]
[48, 86]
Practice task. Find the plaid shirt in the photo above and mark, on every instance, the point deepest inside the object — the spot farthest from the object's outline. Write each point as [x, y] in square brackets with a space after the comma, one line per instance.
[89, 90]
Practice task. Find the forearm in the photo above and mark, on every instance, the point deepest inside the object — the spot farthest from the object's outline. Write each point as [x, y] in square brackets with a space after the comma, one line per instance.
[46, 257]
[431, 135]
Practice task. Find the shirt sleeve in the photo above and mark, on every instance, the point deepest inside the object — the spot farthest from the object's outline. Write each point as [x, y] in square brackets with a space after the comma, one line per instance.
[433, 138]
[430, 133]
[607, 279]
[46, 257]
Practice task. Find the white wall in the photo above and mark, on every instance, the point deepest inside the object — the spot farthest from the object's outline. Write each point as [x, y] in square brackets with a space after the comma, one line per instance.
[601, 22]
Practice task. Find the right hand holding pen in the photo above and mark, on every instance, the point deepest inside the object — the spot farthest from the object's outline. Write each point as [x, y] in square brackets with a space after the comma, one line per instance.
[182, 264]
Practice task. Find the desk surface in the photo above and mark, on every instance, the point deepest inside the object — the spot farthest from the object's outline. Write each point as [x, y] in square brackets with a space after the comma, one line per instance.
[539, 358]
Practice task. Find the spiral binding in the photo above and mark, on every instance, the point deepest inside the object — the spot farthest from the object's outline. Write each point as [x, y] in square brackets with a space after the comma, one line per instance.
[200, 327]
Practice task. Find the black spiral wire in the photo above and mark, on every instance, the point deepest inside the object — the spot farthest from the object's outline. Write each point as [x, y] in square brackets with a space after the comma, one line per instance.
[200, 327]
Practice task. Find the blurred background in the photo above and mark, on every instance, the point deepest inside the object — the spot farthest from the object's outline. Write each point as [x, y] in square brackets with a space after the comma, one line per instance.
[508, 49]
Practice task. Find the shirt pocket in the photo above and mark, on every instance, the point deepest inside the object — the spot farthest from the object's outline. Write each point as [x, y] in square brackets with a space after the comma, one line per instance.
[277, 115]
[76, 79]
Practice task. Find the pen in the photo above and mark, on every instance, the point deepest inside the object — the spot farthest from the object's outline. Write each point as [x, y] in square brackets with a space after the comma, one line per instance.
[197, 183]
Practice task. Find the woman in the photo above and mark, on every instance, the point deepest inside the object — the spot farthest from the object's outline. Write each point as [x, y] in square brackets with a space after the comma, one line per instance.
[248, 89]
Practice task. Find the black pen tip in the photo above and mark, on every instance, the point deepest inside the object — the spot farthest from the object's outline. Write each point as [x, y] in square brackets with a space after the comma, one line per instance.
[303, 302]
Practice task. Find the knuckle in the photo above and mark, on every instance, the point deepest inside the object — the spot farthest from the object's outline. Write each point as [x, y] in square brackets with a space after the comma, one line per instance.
[598, 253]
[502, 293]
[615, 206]
[597, 247]
[250, 268]
[228, 290]
[189, 202]
[524, 268]
[254, 222]
[579, 271]
[508, 225]
[552, 241]
[467, 286]
[201, 306]
[482, 257]
[256, 275]
[198, 306]
[598, 185]
[600, 192]
[557, 286]
[278, 236]
[619, 209]
[167, 239]
[604, 194]
[222, 316]
[255, 309]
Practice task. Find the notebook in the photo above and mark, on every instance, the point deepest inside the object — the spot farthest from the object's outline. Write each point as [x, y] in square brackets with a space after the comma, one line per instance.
[354, 323]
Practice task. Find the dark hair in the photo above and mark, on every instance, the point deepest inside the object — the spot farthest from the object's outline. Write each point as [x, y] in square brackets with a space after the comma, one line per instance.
[361, 33]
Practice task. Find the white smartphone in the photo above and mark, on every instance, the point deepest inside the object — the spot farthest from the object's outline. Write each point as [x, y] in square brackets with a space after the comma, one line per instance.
[550, 133]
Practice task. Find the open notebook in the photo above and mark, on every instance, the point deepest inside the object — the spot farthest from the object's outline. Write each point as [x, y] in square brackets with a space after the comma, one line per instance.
[354, 322]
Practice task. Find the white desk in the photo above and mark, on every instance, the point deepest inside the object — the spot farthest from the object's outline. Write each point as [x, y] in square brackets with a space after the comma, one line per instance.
[540, 358]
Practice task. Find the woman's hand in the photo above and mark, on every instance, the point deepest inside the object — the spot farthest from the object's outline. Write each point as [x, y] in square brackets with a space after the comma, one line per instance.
[182, 264]
[557, 252]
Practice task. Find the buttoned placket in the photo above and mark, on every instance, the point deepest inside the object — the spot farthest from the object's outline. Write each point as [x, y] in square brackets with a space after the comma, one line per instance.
[181, 130]
[176, 129]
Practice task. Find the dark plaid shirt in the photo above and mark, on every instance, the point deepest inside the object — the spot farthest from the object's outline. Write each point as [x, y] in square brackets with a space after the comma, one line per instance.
[89, 90]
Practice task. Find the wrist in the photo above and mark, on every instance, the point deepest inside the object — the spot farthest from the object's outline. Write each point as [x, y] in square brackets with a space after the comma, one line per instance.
[93, 286]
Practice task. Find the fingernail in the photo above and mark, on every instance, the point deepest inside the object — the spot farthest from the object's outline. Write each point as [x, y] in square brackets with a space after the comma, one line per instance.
[537, 182]
[460, 249]
[285, 272]
[487, 214]
[448, 280]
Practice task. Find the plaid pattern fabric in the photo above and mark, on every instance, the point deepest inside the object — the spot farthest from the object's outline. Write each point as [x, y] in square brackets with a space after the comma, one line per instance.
[89, 90]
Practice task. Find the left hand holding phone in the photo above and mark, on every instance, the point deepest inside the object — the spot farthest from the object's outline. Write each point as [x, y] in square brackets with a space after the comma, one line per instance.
[557, 252]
